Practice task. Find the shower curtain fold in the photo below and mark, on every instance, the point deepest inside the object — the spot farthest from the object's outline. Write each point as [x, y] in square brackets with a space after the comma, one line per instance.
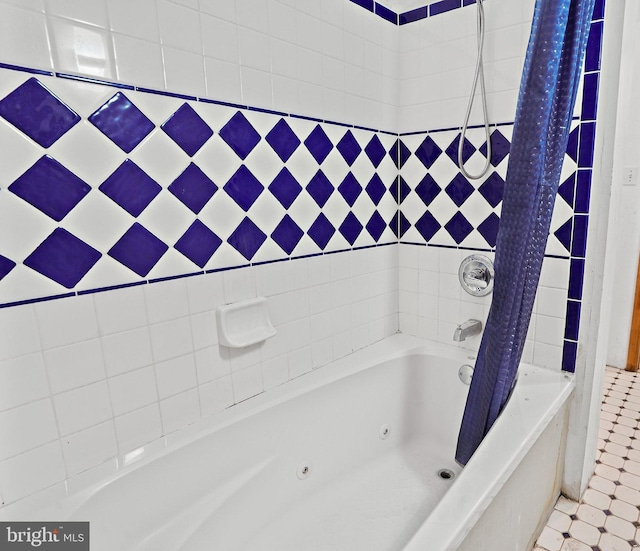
[546, 102]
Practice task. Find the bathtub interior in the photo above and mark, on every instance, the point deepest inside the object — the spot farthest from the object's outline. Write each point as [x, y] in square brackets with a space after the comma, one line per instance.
[238, 482]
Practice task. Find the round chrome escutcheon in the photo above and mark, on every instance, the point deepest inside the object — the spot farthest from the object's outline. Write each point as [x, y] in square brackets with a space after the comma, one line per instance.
[476, 275]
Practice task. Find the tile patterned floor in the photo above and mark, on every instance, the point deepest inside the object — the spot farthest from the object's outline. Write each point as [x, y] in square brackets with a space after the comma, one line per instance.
[607, 518]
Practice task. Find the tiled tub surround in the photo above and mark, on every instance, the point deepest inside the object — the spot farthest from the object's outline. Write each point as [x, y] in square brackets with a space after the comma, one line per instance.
[47, 337]
[87, 378]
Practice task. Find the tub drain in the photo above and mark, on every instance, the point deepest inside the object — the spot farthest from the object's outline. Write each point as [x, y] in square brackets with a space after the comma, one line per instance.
[446, 474]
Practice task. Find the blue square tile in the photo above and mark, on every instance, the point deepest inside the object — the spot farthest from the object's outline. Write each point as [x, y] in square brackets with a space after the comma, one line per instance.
[400, 153]
[320, 188]
[187, 129]
[583, 191]
[198, 243]
[350, 189]
[386, 13]
[349, 148]
[413, 15]
[50, 188]
[500, 147]
[240, 135]
[366, 4]
[569, 356]
[350, 228]
[579, 242]
[376, 226]
[428, 189]
[283, 140]
[130, 187]
[492, 189]
[443, 6]
[459, 189]
[318, 144]
[399, 190]
[399, 224]
[285, 188]
[598, 10]
[63, 258]
[287, 234]
[375, 189]
[572, 324]
[247, 238]
[244, 188]
[193, 188]
[321, 231]
[572, 144]
[428, 152]
[467, 150]
[375, 151]
[122, 122]
[36, 112]
[576, 278]
[138, 249]
[458, 227]
[488, 229]
[594, 48]
[589, 108]
[427, 226]
[6, 265]
[587, 144]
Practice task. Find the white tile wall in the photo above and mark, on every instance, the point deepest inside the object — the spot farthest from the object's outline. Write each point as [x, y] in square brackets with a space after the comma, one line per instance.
[87, 378]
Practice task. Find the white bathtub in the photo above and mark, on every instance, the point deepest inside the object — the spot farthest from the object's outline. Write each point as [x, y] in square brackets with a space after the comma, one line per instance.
[344, 458]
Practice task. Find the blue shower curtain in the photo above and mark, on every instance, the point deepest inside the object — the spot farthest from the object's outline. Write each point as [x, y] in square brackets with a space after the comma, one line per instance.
[545, 107]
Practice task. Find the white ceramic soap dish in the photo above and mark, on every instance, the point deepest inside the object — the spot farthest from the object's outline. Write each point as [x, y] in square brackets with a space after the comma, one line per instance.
[244, 323]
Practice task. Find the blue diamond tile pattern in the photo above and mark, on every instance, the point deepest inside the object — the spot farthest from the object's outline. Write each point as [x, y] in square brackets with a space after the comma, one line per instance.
[500, 147]
[458, 227]
[240, 135]
[122, 122]
[376, 226]
[131, 188]
[321, 231]
[349, 148]
[375, 151]
[428, 226]
[467, 150]
[244, 188]
[428, 189]
[492, 189]
[375, 189]
[198, 243]
[350, 189]
[193, 188]
[138, 249]
[285, 188]
[428, 152]
[6, 265]
[488, 228]
[50, 187]
[36, 112]
[283, 140]
[326, 183]
[287, 234]
[459, 189]
[187, 129]
[320, 188]
[350, 228]
[63, 258]
[318, 144]
[247, 238]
